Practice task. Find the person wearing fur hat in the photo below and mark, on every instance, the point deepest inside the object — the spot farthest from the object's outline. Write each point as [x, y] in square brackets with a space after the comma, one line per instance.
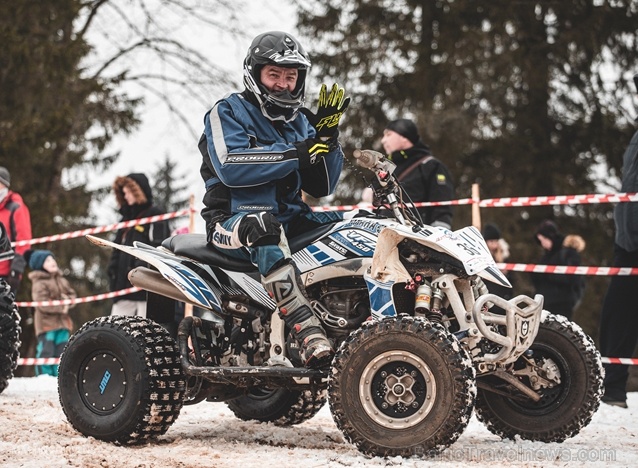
[15, 216]
[135, 201]
[561, 292]
[424, 177]
[52, 323]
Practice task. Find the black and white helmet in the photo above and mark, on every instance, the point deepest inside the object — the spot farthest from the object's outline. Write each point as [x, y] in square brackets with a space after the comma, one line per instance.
[283, 50]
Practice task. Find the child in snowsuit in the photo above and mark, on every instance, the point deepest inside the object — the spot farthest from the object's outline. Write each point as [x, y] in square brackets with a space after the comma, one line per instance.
[52, 323]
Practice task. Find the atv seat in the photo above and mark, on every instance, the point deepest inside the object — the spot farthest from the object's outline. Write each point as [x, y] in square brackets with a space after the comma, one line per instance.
[194, 246]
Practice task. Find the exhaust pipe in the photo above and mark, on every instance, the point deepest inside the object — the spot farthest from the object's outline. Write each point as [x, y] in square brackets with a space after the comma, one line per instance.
[153, 281]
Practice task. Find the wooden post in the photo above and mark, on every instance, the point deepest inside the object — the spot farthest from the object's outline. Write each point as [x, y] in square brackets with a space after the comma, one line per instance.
[476, 210]
[188, 308]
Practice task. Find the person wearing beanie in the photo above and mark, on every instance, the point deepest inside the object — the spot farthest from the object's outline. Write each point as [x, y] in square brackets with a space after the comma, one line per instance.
[52, 323]
[424, 177]
[15, 216]
[134, 198]
[562, 293]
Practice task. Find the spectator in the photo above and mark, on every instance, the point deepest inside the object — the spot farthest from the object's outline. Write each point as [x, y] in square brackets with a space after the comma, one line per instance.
[500, 250]
[424, 177]
[135, 200]
[562, 293]
[15, 216]
[52, 323]
[619, 318]
[260, 149]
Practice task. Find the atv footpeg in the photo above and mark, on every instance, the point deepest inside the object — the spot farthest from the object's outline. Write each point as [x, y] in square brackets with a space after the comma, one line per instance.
[519, 324]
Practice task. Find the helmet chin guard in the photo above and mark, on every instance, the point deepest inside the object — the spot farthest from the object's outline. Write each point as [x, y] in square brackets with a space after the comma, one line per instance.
[282, 50]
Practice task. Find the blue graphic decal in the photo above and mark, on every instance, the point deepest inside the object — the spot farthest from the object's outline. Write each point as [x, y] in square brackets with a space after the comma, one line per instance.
[381, 304]
[322, 257]
[105, 381]
[356, 242]
[196, 287]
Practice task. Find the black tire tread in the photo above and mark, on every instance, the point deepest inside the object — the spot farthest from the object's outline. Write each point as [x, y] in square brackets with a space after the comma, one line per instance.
[460, 368]
[583, 411]
[9, 335]
[163, 395]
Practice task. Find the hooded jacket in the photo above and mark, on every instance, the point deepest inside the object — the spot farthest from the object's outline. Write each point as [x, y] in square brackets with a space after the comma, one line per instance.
[15, 216]
[47, 286]
[152, 234]
[427, 182]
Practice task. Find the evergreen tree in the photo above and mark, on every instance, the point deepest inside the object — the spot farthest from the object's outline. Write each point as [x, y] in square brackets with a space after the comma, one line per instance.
[168, 192]
[525, 98]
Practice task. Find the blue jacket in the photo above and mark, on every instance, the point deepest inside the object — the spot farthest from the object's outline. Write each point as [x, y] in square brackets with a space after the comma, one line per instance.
[251, 164]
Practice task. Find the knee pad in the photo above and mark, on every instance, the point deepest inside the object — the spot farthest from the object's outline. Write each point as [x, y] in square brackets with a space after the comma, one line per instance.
[256, 229]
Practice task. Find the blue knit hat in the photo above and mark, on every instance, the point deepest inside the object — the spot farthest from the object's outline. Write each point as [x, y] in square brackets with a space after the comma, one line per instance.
[37, 258]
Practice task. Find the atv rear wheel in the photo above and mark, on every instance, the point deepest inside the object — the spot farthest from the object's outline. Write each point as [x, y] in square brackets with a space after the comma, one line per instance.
[280, 406]
[120, 380]
[9, 335]
[401, 387]
[561, 347]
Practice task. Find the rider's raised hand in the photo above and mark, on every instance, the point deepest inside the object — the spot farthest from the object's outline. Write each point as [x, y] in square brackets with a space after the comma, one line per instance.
[330, 109]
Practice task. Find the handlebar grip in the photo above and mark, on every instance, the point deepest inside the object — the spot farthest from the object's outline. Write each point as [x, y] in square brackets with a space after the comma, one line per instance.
[367, 158]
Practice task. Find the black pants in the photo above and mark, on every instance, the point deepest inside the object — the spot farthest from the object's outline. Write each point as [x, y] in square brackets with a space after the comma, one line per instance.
[619, 324]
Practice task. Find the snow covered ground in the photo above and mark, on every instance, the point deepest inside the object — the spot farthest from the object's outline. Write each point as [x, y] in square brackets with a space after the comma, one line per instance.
[34, 433]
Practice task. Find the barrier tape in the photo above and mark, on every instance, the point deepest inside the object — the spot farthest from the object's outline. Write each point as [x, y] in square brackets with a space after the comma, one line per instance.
[511, 201]
[569, 270]
[99, 229]
[79, 300]
[51, 361]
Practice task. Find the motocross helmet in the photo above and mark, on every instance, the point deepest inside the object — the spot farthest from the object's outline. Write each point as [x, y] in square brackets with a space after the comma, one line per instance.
[280, 49]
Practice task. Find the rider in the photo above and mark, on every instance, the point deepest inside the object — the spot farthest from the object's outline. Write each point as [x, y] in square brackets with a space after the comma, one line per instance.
[259, 153]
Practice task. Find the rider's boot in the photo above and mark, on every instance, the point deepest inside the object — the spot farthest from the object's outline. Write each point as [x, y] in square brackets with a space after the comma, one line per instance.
[285, 287]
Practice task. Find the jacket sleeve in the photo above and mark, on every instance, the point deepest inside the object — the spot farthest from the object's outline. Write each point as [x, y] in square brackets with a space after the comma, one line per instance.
[41, 292]
[22, 219]
[240, 159]
[321, 180]
[439, 187]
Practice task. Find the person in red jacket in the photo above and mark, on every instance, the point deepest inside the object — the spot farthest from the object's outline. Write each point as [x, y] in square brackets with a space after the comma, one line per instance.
[15, 216]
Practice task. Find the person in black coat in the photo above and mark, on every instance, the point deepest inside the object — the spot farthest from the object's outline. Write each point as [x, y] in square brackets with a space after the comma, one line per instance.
[499, 248]
[561, 292]
[135, 200]
[424, 177]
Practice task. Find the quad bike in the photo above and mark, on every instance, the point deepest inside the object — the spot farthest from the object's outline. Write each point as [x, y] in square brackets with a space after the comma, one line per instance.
[404, 305]
[9, 320]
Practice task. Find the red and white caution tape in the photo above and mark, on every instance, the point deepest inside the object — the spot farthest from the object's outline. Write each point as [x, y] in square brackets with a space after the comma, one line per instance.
[620, 360]
[99, 229]
[38, 361]
[511, 201]
[569, 270]
[80, 300]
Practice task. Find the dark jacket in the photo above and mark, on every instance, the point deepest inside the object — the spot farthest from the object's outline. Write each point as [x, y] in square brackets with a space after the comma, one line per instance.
[561, 292]
[626, 214]
[151, 234]
[47, 286]
[426, 182]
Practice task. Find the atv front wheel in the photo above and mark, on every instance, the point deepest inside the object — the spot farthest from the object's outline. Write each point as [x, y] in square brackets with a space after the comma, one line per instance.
[401, 387]
[120, 380]
[281, 406]
[562, 353]
[9, 335]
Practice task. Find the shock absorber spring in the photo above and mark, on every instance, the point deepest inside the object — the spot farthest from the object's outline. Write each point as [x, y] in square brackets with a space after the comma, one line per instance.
[435, 315]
